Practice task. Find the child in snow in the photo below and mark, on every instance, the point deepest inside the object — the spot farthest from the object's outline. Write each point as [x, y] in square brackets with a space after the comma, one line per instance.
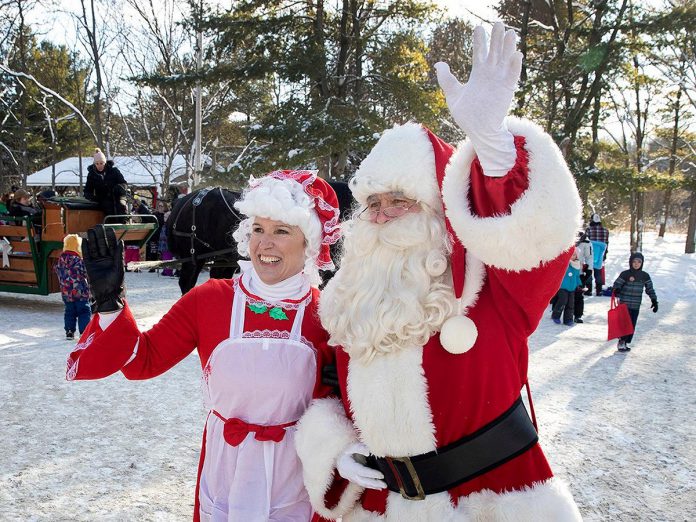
[564, 301]
[628, 287]
[599, 236]
[74, 287]
[586, 258]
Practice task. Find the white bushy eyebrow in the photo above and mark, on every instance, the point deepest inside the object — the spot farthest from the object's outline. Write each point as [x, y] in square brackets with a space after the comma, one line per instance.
[392, 195]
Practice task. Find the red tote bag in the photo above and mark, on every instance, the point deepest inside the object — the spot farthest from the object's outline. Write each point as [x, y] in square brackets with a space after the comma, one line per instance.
[618, 320]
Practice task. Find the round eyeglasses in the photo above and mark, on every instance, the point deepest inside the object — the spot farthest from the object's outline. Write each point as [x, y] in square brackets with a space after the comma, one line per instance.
[370, 214]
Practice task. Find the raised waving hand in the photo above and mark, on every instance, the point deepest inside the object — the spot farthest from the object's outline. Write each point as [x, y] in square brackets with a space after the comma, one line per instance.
[480, 105]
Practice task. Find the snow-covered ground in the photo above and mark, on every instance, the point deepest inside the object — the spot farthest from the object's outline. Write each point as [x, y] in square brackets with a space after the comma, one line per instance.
[616, 426]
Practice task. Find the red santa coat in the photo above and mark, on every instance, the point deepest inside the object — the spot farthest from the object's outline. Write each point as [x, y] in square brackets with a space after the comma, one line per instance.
[200, 319]
[517, 230]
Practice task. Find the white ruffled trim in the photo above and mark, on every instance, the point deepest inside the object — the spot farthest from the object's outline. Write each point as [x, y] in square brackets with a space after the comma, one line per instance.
[275, 334]
[72, 364]
[271, 304]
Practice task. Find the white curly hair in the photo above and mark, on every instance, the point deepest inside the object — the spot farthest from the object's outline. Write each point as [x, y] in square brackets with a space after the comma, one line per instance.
[281, 200]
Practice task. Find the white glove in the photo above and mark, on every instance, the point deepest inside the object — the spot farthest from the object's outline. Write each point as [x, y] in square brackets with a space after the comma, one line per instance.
[351, 469]
[479, 107]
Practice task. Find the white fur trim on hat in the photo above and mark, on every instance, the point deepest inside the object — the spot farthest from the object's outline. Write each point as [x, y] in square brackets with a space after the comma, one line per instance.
[282, 200]
[541, 223]
[323, 433]
[403, 160]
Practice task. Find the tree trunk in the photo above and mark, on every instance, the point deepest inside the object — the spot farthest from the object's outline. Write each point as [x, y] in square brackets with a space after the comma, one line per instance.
[691, 231]
[340, 161]
[634, 221]
[24, 153]
[524, 31]
[89, 24]
[358, 51]
[324, 167]
[640, 213]
[665, 212]
[672, 162]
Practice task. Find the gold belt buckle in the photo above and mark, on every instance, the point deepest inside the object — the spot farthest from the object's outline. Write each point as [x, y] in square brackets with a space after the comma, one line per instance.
[406, 461]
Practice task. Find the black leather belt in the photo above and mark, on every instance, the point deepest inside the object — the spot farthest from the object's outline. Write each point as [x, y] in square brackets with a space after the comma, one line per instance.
[503, 439]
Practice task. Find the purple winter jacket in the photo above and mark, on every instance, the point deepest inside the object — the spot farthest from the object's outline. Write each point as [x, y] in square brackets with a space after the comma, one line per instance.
[72, 276]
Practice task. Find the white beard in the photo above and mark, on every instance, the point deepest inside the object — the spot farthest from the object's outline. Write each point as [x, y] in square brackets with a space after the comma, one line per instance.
[393, 289]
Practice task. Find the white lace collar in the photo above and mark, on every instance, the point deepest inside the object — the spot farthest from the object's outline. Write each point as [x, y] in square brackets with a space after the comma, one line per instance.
[293, 288]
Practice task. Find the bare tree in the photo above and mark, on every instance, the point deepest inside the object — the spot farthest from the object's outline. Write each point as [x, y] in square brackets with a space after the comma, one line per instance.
[158, 114]
[99, 26]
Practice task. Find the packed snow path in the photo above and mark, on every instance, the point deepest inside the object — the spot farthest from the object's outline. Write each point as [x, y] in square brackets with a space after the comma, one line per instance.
[618, 427]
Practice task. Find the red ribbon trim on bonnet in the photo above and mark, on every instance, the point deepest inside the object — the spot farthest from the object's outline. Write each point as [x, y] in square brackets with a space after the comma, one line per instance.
[325, 205]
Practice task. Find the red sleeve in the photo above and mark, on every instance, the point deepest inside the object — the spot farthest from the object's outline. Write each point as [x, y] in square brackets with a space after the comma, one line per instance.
[526, 294]
[531, 290]
[101, 353]
[325, 353]
[169, 341]
[490, 196]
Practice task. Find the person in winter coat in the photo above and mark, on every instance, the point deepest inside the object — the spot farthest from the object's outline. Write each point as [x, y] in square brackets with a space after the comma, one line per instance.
[20, 205]
[629, 287]
[599, 236]
[586, 256]
[431, 311]
[106, 185]
[564, 301]
[153, 250]
[258, 337]
[140, 207]
[74, 287]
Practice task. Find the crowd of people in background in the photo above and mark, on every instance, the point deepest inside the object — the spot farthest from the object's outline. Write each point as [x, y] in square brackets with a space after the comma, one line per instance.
[587, 262]
[106, 186]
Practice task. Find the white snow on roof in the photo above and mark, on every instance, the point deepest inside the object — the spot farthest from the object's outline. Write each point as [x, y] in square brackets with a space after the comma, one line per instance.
[141, 171]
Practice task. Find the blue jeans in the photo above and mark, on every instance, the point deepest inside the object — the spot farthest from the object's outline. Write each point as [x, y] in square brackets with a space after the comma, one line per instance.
[76, 312]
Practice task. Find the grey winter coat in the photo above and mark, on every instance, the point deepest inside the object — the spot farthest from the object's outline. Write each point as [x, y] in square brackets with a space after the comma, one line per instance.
[630, 284]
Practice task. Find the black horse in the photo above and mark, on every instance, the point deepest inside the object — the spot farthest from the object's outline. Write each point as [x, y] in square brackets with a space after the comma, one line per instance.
[200, 227]
[199, 230]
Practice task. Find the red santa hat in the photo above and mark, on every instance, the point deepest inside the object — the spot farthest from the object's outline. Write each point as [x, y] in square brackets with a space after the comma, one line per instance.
[411, 159]
[300, 198]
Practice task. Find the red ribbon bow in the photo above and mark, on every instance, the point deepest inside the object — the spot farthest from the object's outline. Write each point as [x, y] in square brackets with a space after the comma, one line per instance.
[236, 430]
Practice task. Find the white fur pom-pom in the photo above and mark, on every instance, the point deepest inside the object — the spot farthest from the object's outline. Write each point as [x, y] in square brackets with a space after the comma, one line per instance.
[458, 334]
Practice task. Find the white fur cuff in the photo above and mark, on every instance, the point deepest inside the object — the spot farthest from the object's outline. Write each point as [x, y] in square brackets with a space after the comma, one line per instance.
[323, 433]
[541, 224]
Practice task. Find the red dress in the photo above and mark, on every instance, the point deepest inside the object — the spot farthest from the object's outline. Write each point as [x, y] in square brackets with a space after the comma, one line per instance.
[259, 374]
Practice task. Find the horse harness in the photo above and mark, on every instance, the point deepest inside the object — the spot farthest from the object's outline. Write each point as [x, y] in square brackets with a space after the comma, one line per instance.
[196, 202]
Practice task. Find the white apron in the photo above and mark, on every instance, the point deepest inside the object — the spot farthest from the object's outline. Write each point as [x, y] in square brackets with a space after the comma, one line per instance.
[266, 379]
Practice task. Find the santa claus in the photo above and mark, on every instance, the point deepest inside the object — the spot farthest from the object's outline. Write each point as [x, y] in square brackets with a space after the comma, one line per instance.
[448, 266]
